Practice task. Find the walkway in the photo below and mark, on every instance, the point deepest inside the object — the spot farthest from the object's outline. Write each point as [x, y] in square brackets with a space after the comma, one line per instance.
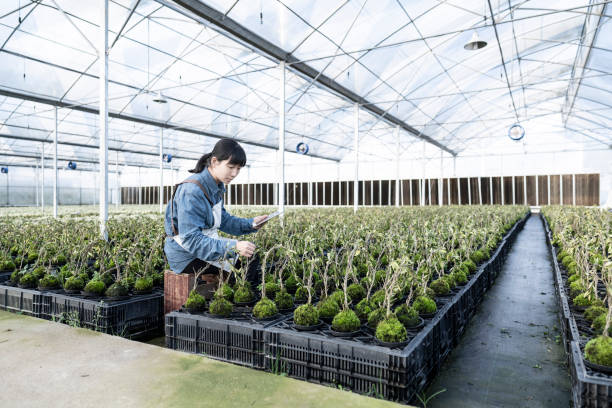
[511, 354]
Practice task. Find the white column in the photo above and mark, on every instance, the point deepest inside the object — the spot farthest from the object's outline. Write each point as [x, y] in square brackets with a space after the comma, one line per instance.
[469, 184]
[36, 177]
[537, 192]
[161, 171]
[548, 187]
[560, 189]
[513, 191]
[117, 179]
[103, 102]
[55, 166]
[397, 167]
[573, 189]
[281, 141]
[479, 191]
[422, 183]
[356, 152]
[458, 191]
[525, 190]
[139, 188]
[440, 185]
[491, 190]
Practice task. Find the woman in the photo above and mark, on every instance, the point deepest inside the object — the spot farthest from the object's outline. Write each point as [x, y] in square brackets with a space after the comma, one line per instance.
[195, 213]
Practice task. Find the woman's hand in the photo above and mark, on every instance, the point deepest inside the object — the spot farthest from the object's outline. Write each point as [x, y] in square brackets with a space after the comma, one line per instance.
[257, 220]
[245, 248]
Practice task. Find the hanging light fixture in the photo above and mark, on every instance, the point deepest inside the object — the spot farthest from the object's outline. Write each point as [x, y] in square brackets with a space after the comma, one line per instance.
[159, 97]
[475, 43]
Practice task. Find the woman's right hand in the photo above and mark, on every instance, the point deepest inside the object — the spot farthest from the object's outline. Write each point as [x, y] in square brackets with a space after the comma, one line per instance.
[245, 248]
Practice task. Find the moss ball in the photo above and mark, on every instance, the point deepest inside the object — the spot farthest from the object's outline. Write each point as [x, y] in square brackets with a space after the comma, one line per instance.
[328, 308]
[243, 294]
[48, 281]
[379, 278]
[599, 351]
[28, 280]
[15, 276]
[107, 278]
[291, 284]
[39, 272]
[221, 307]
[7, 266]
[378, 298]
[460, 277]
[301, 294]
[306, 315]
[196, 302]
[338, 297]
[375, 317]
[224, 292]
[573, 278]
[346, 321]
[470, 265]
[116, 289]
[450, 280]
[424, 305]
[477, 256]
[391, 330]
[363, 309]
[143, 284]
[32, 257]
[74, 283]
[440, 287]
[59, 260]
[356, 292]
[593, 312]
[271, 289]
[584, 300]
[95, 286]
[265, 308]
[576, 288]
[599, 323]
[283, 300]
[407, 315]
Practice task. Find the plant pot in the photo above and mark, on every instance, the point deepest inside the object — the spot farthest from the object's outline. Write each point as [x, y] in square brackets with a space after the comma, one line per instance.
[343, 334]
[245, 304]
[327, 320]
[600, 368]
[72, 291]
[418, 326]
[400, 344]
[20, 286]
[267, 319]
[307, 328]
[427, 315]
[285, 311]
[142, 292]
[44, 289]
[90, 294]
[194, 310]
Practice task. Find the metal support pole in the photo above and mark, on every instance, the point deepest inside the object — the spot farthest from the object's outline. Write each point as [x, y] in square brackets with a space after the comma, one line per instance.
[513, 191]
[428, 191]
[117, 179]
[103, 103]
[537, 192]
[525, 190]
[469, 191]
[479, 191]
[281, 142]
[548, 187]
[560, 189]
[42, 174]
[55, 166]
[161, 171]
[356, 151]
[573, 189]
[491, 190]
[36, 177]
[440, 186]
[422, 183]
[397, 167]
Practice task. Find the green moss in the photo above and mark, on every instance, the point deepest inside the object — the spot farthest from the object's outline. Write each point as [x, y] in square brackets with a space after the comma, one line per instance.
[460, 277]
[224, 292]
[593, 312]
[49, 281]
[74, 283]
[95, 286]
[450, 280]
[271, 289]
[306, 315]
[196, 302]
[28, 280]
[378, 298]
[599, 351]
[328, 308]
[291, 284]
[221, 307]
[573, 278]
[571, 268]
[470, 265]
[363, 309]
[15, 277]
[576, 288]
[59, 260]
[440, 287]
[346, 321]
[265, 308]
[107, 278]
[301, 294]
[39, 272]
[158, 279]
[477, 256]
[283, 299]
[356, 292]
[375, 317]
[243, 294]
[391, 330]
[424, 305]
[585, 300]
[379, 278]
[116, 289]
[7, 266]
[599, 323]
[143, 284]
[407, 315]
[32, 257]
[338, 297]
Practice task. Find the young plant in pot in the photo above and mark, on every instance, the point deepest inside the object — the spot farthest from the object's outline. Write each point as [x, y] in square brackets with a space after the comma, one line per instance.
[306, 316]
[95, 287]
[265, 309]
[390, 331]
[405, 313]
[48, 282]
[282, 298]
[598, 351]
[346, 323]
[221, 304]
[243, 293]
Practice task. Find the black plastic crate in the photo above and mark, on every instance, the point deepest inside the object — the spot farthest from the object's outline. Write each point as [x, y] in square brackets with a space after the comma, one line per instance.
[137, 316]
[590, 389]
[239, 342]
[17, 300]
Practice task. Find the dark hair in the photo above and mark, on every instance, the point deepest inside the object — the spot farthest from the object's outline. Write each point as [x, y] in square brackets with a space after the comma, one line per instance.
[224, 149]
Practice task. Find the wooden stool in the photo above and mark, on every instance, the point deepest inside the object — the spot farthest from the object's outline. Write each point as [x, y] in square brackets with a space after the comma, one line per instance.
[178, 285]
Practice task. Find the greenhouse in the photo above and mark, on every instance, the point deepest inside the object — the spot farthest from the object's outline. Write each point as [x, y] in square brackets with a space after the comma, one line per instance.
[287, 202]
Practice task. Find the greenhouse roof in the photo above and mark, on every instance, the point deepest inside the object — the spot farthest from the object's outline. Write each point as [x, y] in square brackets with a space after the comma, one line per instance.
[547, 66]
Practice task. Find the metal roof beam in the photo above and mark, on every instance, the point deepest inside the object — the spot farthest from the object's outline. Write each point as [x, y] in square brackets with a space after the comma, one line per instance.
[144, 121]
[206, 14]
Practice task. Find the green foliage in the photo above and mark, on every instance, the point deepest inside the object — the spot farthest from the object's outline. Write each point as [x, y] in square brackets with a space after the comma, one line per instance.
[95, 286]
[271, 289]
[356, 292]
[338, 297]
[306, 315]
[301, 294]
[407, 315]
[346, 321]
[599, 351]
[15, 276]
[460, 277]
[291, 284]
[196, 303]
[375, 317]
[221, 307]
[470, 265]
[586, 299]
[328, 308]
[143, 284]
[116, 289]
[440, 287]
[377, 298]
[74, 283]
[424, 305]
[49, 281]
[576, 288]
[283, 299]
[391, 330]
[28, 280]
[477, 256]
[243, 294]
[224, 292]
[7, 266]
[264, 309]
[599, 323]
[363, 309]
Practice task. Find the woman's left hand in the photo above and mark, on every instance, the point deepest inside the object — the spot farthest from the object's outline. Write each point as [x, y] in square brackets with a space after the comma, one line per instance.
[257, 220]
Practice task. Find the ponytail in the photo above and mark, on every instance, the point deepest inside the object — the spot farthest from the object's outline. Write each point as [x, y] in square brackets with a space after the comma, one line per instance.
[225, 149]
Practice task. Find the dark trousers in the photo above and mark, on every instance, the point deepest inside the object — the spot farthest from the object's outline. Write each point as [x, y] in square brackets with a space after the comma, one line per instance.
[253, 275]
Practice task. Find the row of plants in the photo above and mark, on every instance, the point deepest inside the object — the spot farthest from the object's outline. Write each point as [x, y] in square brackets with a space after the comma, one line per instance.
[380, 270]
[583, 241]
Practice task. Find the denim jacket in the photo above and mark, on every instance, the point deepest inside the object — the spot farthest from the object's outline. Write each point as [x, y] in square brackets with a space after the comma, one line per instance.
[192, 213]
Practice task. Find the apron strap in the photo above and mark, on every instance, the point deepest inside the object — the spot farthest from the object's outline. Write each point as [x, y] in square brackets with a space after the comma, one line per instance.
[197, 183]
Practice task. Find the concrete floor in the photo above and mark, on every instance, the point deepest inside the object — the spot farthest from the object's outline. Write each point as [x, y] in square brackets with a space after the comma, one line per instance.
[53, 365]
[511, 354]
